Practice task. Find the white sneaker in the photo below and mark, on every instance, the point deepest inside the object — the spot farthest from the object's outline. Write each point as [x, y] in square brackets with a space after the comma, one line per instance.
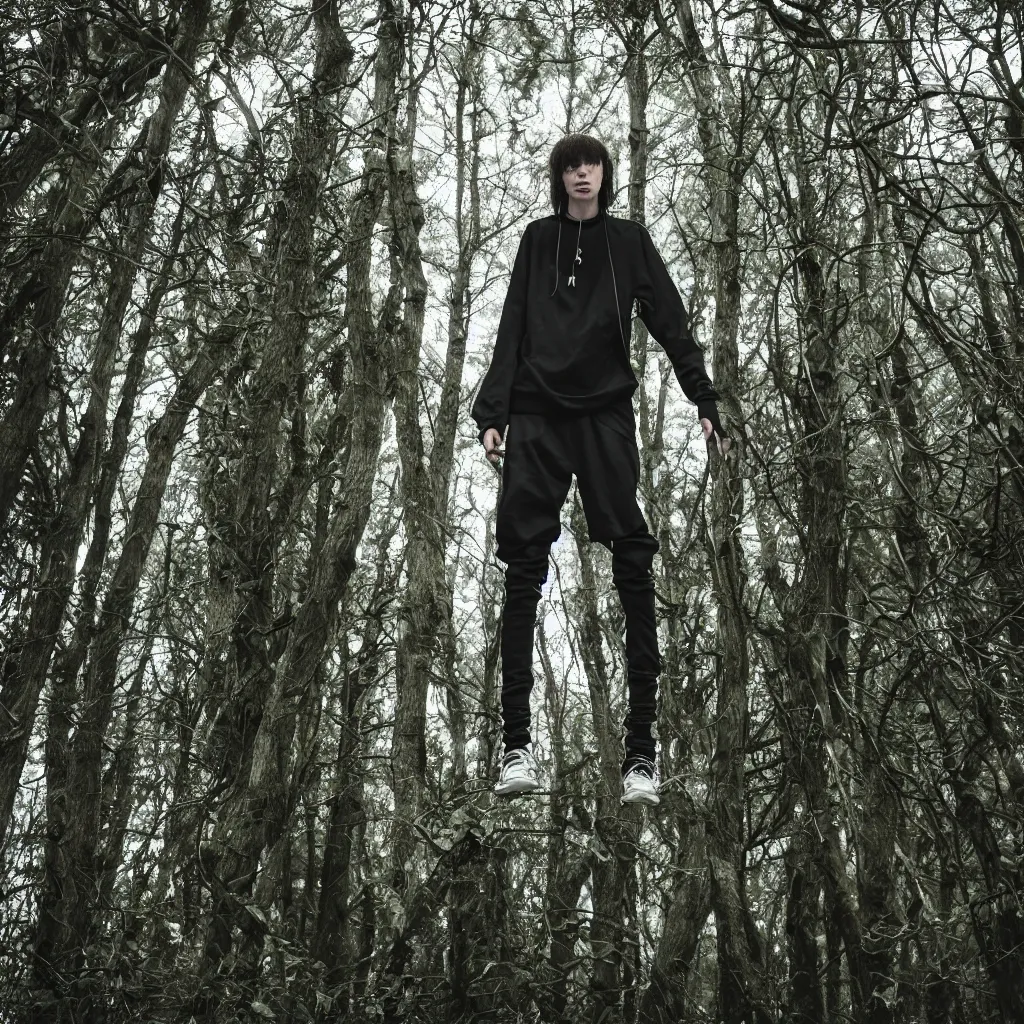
[518, 774]
[640, 785]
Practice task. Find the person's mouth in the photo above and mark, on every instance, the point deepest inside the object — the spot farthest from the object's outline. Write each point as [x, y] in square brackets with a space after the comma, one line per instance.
[582, 188]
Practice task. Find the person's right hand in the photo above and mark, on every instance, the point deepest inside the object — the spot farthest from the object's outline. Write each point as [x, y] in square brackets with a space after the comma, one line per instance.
[724, 443]
[492, 445]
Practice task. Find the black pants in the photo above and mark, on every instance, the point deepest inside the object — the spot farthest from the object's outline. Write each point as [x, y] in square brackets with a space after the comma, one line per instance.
[541, 456]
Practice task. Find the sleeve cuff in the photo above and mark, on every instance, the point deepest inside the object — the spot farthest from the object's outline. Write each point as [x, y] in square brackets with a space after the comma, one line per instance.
[709, 411]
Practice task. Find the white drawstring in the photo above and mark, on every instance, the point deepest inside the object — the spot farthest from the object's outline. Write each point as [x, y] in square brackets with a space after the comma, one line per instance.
[579, 258]
[615, 287]
[557, 247]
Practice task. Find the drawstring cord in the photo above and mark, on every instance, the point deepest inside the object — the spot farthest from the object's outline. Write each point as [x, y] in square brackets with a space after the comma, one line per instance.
[579, 258]
[615, 286]
[557, 247]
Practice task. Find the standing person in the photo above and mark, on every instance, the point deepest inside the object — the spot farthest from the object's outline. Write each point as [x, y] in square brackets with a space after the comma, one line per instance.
[561, 382]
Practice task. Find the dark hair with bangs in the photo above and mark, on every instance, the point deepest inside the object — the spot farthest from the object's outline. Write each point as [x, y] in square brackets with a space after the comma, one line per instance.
[571, 151]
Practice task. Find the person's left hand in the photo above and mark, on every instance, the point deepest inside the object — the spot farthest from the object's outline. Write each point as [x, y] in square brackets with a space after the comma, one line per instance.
[723, 443]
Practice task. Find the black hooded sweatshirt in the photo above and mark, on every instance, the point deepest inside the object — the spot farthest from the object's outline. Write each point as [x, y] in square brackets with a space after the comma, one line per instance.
[562, 345]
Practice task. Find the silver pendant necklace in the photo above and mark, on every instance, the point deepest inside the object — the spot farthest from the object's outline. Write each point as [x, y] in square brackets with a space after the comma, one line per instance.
[579, 258]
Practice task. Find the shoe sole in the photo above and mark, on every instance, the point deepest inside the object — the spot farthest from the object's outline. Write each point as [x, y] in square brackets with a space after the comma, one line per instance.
[511, 788]
[651, 799]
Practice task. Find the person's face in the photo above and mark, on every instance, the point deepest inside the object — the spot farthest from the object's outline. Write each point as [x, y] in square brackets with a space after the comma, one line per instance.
[583, 181]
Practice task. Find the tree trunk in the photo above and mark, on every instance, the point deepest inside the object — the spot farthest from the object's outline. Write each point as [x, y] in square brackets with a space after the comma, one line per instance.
[22, 688]
[743, 995]
[616, 827]
[68, 917]
[45, 292]
[346, 809]
[427, 628]
[805, 1001]
[665, 999]
[567, 870]
[259, 804]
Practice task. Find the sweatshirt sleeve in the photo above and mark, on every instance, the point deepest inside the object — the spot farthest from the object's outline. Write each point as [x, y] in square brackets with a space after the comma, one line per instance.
[490, 409]
[662, 310]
